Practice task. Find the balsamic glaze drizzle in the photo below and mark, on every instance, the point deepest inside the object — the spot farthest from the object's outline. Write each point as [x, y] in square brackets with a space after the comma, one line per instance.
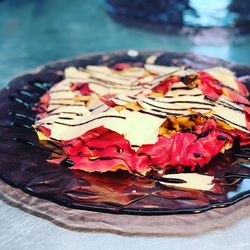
[224, 119]
[198, 155]
[177, 109]
[97, 118]
[222, 138]
[227, 105]
[67, 163]
[149, 113]
[194, 102]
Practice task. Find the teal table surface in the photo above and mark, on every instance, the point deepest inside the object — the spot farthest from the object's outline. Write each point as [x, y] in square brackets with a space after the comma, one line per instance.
[33, 33]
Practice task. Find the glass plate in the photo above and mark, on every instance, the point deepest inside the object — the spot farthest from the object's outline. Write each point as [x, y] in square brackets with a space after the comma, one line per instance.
[23, 161]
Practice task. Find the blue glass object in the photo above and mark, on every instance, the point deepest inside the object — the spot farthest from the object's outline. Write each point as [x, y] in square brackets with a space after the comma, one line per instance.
[156, 11]
[209, 13]
[195, 13]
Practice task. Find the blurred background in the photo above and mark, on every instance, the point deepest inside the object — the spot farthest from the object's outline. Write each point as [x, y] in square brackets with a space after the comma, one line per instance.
[36, 32]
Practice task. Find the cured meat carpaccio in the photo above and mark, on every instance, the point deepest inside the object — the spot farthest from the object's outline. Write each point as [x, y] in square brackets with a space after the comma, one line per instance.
[143, 118]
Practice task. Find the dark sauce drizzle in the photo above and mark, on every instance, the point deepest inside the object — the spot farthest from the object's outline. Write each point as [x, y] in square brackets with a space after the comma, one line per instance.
[67, 163]
[177, 109]
[227, 105]
[149, 113]
[194, 102]
[224, 119]
[97, 118]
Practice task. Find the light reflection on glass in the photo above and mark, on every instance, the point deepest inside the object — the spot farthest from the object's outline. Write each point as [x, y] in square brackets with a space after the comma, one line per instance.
[243, 187]
[209, 13]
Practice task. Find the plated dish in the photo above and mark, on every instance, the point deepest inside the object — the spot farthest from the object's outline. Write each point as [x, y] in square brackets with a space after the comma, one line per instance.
[142, 134]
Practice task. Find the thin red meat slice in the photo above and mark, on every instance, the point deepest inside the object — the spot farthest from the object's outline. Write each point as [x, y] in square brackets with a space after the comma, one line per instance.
[208, 91]
[157, 153]
[42, 106]
[169, 152]
[109, 159]
[100, 144]
[197, 155]
[232, 135]
[107, 100]
[247, 117]
[209, 143]
[209, 86]
[121, 66]
[44, 100]
[235, 97]
[44, 130]
[83, 88]
[110, 138]
[242, 88]
[74, 146]
[181, 143]
[99, 138]
[203, 150]
[140, 164]
[164, 85]
[89, 135]
[186, 149]
[101, 150]
[180, 149]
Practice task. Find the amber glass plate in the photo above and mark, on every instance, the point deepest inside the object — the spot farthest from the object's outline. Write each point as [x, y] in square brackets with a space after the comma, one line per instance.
[23, 161]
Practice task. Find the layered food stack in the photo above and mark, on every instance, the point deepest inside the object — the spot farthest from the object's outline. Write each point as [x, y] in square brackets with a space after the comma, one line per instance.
[143, 118]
